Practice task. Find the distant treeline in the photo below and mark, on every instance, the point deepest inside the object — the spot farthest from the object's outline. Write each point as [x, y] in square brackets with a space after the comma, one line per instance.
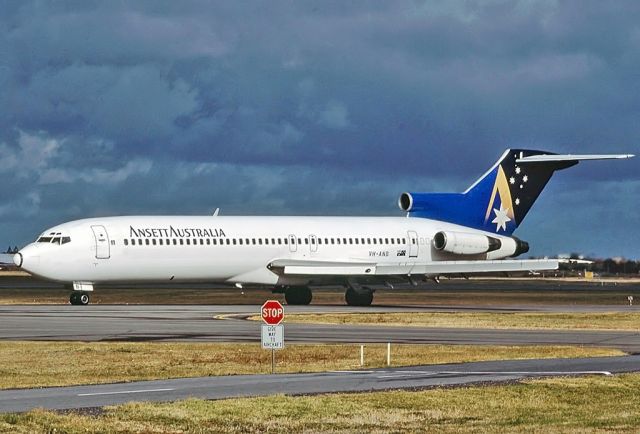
[604, 266]
[615, 266]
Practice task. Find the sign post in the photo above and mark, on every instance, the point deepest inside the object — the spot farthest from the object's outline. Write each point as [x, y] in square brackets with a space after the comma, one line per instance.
[272, 314]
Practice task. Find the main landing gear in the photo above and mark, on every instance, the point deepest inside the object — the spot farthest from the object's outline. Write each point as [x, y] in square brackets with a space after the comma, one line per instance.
[79, 298]
[361, 297]
[297, 295]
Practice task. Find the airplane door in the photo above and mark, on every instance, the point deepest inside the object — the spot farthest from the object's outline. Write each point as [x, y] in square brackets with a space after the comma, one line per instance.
[293, 244]
[413, 244]
[314, 243]
[103, 251]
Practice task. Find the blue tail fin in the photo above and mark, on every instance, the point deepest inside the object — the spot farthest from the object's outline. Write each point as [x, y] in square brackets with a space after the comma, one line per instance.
[497, 202]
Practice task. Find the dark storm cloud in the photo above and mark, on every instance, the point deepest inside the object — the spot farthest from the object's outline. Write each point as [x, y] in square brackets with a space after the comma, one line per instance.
[314, 107]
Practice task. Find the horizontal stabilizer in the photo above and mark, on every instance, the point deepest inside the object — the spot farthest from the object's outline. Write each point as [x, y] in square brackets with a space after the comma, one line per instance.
[548, 158]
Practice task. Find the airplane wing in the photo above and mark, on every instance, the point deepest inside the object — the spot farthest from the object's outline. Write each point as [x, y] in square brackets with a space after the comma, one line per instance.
[348, 268]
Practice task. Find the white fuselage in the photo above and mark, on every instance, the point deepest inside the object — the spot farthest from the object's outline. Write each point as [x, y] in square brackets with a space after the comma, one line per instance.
[226, 249]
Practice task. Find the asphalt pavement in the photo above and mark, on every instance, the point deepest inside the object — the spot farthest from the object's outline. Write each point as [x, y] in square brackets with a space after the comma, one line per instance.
[414, 377]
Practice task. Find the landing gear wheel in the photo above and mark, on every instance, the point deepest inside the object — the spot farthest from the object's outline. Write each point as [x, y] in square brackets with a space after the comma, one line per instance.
[355, 298]
[298, 295]
[79, 298]
[84, 299]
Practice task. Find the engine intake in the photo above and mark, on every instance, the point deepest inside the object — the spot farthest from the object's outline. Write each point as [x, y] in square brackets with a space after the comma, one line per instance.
[461, 243]
[405, 202]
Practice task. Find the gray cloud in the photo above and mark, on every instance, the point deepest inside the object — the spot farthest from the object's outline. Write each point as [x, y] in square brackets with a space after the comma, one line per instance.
[314, 108]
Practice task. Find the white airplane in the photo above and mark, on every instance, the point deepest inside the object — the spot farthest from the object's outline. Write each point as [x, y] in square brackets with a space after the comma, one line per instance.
[441, 234]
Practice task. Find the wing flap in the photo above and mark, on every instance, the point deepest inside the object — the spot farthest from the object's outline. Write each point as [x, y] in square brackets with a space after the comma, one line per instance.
[346, 268]
[327, 268]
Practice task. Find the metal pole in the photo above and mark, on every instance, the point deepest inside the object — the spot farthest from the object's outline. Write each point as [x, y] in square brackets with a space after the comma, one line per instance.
[273, 360]
[361, 355]
[388, 353]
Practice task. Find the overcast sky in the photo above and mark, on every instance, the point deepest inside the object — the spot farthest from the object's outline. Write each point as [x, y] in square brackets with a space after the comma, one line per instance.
[328, 108]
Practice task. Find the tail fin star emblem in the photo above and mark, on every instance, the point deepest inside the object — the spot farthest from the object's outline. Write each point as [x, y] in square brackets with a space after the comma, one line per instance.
[501, 219]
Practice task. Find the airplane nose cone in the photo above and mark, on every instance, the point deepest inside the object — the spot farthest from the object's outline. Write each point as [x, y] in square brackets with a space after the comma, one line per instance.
[17, 259]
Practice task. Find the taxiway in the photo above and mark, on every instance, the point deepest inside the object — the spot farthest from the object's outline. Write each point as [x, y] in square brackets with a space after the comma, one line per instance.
[414, 377]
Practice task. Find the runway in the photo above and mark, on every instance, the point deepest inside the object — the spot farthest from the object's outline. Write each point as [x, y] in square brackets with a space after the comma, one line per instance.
[213, 324]
[414, 377]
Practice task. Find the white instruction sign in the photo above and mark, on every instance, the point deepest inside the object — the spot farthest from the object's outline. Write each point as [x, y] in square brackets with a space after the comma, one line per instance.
[272, 337]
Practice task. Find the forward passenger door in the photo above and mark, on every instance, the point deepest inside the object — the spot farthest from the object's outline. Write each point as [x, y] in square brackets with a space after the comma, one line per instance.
[103, 250]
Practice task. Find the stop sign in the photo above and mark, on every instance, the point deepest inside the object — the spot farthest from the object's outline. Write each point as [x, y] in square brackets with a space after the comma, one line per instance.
[272, 312]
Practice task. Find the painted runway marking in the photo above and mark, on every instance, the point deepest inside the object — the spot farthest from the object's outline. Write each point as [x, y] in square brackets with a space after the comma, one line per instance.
[124, 392]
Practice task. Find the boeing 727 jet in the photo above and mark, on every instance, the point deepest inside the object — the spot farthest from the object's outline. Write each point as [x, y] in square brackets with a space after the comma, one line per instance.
[442, 234]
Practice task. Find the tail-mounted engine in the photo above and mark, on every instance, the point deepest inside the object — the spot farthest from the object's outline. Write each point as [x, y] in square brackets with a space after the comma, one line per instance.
[461, 243]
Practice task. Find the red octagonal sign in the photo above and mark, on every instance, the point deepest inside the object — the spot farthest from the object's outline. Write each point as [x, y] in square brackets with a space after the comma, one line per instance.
[272, 312]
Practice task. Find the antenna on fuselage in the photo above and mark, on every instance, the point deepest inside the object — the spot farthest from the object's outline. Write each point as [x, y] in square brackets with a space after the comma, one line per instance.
[216, 212]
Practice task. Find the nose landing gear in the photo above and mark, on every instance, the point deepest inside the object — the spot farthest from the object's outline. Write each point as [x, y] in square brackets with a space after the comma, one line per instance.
[79, 298]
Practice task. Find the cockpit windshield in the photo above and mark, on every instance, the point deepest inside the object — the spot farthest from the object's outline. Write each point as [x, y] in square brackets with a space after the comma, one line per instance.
[54, 238]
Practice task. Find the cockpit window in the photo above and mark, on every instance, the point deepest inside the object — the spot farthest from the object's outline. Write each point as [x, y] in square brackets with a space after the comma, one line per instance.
[55, 239]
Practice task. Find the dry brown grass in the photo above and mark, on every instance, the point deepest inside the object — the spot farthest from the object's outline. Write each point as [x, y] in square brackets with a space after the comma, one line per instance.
[500, 320]
[559, 405]
[39, 364]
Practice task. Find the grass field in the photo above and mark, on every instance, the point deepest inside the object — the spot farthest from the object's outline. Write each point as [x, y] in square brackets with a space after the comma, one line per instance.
[38, 364]
[558, 405]
[501, 320]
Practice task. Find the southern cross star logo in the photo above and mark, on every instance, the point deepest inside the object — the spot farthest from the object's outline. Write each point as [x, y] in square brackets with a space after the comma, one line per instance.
[521, 178]
[501, 219]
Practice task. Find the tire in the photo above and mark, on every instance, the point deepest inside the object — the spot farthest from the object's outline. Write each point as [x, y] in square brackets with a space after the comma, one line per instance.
[84, 299]
[355, 298]
[298, 295]
[79, 298]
